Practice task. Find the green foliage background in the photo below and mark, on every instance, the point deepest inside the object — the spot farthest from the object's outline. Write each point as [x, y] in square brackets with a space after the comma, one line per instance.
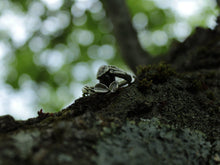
[66, 44]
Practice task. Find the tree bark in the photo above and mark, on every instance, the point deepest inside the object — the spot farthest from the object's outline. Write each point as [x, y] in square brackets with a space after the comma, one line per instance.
[164, 117]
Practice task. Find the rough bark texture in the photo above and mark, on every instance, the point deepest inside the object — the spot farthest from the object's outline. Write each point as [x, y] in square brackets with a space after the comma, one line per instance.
[199, 51]
[164, 117]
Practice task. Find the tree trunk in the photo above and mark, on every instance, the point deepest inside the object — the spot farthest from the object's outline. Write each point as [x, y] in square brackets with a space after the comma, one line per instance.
[167, 116]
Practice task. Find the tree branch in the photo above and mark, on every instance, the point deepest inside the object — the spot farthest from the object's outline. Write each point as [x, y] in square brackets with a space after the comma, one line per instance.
[125, 34]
